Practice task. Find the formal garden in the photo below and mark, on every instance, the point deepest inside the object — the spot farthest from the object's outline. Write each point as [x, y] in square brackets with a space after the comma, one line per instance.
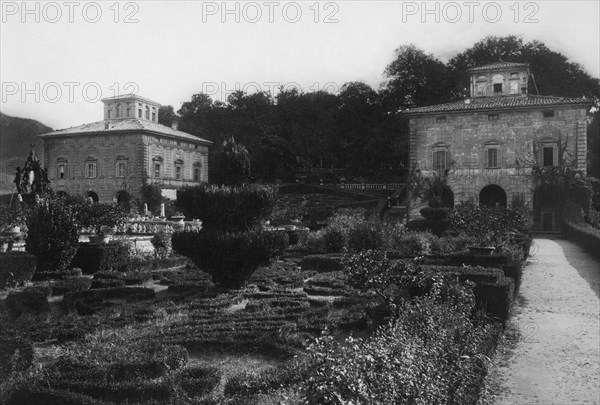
[256, 307]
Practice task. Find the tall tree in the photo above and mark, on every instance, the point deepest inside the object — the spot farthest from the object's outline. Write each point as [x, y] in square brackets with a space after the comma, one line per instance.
[166, 115]
[415, 79]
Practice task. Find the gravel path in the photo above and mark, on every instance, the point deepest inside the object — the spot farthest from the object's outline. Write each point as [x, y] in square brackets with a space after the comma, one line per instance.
[555, 356]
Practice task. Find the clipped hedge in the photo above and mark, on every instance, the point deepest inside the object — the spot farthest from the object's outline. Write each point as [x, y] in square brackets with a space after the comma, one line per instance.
[28, 394]
[16, 268]
[230, 258]
[199, 380]
[322, 263]
[71, 284]
[584, 235]
[92, 258]
[495, 298]
[30, 301]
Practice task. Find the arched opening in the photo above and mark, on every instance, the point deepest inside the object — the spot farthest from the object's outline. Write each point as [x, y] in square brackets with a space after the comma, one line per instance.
[492, 196]
[92, 195]
[124, 200]
[546, 213]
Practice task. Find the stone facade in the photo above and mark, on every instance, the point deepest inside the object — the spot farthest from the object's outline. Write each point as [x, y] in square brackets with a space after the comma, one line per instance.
[105, 158]
[494, 140]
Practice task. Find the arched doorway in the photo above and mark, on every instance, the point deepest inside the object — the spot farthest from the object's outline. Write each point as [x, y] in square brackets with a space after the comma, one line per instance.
[547, 200]
[123, 200]
[492, 196]
[92, 195]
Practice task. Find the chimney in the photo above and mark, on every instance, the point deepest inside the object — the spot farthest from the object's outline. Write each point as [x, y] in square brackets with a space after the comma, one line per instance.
[106, 123]
[175, 124]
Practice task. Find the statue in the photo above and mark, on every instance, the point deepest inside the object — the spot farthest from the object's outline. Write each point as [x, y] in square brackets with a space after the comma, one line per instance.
[32, 179]
[18, 180]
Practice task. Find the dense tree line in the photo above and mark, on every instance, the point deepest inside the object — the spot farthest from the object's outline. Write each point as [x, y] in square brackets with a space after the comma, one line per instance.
[360, 128]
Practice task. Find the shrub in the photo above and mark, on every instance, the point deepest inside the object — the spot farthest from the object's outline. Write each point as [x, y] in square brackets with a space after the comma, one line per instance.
[366, 235]
[16, 355]
[92, 258]
[97, 216]
[372, 271]
[433, 354]
[438, 227]
[71, 284]
[321, 263]
[488, 224]
[435, 213]
[228, 209]
[583, 234]
[151, 194]
[199, 381]
[230, 258]
[414, 244]
[162, 244]
[16, 268]
[30, 301]
[52, 234]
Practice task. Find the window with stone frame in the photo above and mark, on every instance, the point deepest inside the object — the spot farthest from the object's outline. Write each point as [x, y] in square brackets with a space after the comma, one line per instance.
[120, 168]
[91, 170]
[197, 172]
[62, 169]
[548, 154]
[493, 156]
[179, 169]
[441, 158]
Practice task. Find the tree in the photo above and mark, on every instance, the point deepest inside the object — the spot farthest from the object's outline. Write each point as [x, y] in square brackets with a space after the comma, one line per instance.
[553, 73]
[166, 115]
[231, 164]
[415, 79]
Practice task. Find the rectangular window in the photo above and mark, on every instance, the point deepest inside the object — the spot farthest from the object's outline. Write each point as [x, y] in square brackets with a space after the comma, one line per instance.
[178, 172]
[90, 170]
[196, 174]
[548, 156]
[492, 117]
[497, 87]
[441, 160]
[514, 75]
[549, 114]
[440, 119]
[139, 113]
[153, 116]
[128, 112]
[492, 158]
[120, 169]
[157, 170]
[61, 172]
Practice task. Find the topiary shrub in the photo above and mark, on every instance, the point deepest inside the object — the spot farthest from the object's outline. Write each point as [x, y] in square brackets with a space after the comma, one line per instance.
[227, 209]
[52, 234]
[30, 301]
[230, 258]
[92, 258]
[16, 268]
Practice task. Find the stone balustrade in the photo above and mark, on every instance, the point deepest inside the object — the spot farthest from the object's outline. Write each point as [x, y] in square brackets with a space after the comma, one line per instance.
[150, 227]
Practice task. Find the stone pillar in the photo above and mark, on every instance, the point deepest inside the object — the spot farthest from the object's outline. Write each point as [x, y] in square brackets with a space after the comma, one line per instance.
[581, 152]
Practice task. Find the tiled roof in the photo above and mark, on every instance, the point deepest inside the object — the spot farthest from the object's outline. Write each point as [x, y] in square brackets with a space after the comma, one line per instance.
[501, 65]
[130, 96]
[506, 102]
[126, 124]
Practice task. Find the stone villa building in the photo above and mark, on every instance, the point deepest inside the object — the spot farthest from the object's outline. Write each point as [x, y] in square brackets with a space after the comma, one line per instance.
[110, 160]
[487, 144]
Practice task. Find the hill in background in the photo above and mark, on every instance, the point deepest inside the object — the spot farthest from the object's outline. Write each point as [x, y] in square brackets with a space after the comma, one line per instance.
[16, 137]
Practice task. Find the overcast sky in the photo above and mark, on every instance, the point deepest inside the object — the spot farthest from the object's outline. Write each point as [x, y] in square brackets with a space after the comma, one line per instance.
[68, 55]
